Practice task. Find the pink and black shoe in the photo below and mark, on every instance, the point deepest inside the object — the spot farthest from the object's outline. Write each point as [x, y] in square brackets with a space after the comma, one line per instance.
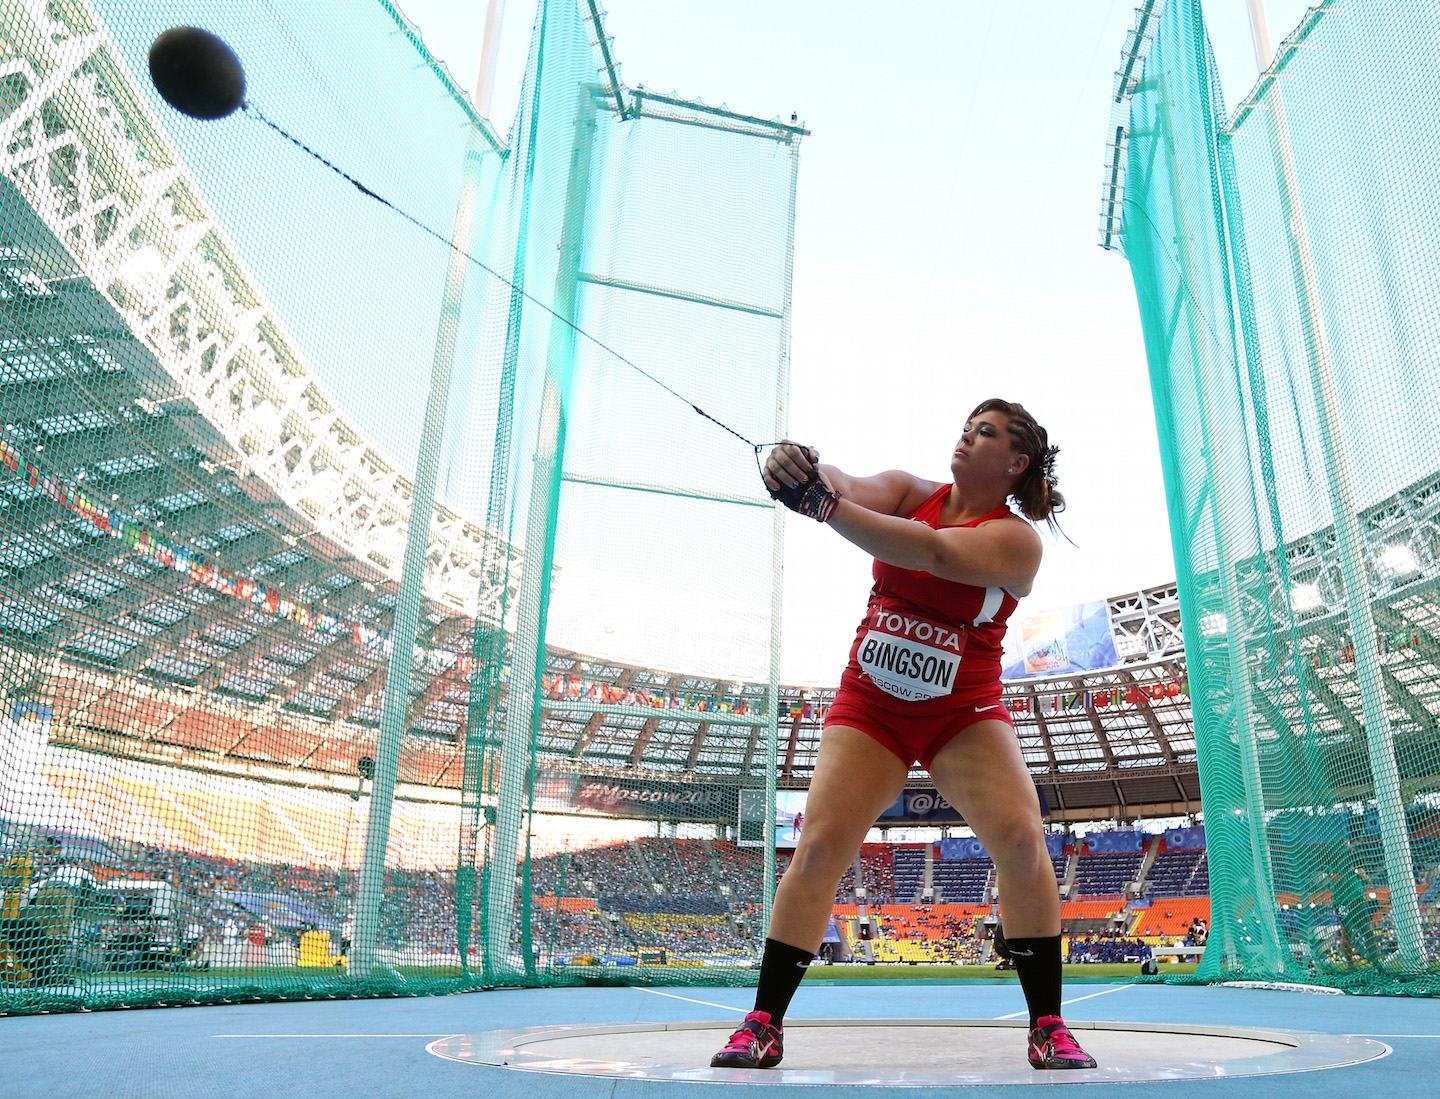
[756, 1044]
[1053, 1046]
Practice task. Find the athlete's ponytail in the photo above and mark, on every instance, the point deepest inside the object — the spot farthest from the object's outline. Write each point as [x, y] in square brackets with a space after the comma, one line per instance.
[1036, 490]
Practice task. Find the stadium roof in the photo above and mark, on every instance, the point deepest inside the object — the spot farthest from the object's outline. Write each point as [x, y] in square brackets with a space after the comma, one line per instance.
[199, 552]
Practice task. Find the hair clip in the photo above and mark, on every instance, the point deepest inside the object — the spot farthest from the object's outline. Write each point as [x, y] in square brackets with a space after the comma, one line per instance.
[1047, 466]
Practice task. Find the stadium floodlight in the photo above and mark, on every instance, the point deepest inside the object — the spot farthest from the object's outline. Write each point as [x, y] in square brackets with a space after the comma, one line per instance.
[1397, 562]
[1213, 625]
[143, 266]
[1306, 597]
[1129, 645]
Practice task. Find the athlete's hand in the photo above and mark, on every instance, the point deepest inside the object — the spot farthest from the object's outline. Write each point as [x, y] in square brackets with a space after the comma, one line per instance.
[789, 468]
[792, 476]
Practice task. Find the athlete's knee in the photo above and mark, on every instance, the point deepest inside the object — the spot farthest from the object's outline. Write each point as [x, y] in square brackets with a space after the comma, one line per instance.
[823, 851]
[1019, 842]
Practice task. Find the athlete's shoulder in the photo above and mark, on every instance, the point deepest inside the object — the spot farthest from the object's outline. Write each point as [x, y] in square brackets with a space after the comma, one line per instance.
[888, 492]
[918, 492]
[1012, 522]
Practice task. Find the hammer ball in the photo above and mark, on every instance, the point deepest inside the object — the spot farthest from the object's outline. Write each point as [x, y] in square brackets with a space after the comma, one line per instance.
[197, 73]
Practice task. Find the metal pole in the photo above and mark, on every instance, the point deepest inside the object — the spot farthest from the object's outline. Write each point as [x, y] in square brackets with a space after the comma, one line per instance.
[489, 54]
[1350, 541]
[1260, 34]
[522, 715]
[412, 573]
[488, 643]
[1239, 677]
[777, 555]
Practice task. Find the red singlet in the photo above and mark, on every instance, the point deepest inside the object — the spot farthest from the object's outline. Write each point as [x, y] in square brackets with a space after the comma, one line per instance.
[926, 660]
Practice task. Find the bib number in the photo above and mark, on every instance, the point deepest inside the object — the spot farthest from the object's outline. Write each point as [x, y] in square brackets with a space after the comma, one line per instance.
[902, 665]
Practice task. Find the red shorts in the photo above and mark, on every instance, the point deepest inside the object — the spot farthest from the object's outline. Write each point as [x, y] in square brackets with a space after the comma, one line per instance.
[911, 738]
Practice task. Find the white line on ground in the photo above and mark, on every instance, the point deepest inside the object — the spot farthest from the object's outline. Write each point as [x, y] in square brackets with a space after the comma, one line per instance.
[702, 1003]
[446, 1034]
[1369, 1035]
[1067, 1003]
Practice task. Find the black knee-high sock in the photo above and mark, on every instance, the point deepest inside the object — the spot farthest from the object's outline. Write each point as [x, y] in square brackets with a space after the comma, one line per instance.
[1037, 964]
[782, 968]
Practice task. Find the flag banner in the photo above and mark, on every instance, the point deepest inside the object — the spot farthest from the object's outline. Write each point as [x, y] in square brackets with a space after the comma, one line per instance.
[1058, 642]
[1185, 839]
[1115, 843]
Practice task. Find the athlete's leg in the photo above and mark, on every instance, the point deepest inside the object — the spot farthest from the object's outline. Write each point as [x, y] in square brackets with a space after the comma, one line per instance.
[856, 779]
[982, 773]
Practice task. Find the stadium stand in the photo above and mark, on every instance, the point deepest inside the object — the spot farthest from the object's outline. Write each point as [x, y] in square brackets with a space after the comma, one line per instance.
[684, 895]
[1170, 918]
[878, 862]
[616, 873]
[1177, 874]
[740, 867]
[145, 716]
[962, 881]
[572, 930]
[684, 934]
[908, 863]
[928, 933]
[698, 868]
[1072, 912]
[1102, 948]
[1106, 875]
[255, 909]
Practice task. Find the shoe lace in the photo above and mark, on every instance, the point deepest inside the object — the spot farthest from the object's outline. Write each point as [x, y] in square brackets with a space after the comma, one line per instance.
[1064, 1042]
[743, 1037]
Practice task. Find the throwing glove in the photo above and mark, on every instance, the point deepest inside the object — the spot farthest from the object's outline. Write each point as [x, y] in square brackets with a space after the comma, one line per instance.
[811, 498]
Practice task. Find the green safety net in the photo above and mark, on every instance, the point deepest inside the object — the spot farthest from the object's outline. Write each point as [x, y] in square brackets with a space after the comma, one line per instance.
[262, 735]
[1285, 260]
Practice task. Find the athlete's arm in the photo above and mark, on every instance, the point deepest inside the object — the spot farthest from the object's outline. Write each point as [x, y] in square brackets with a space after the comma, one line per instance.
[893, 492]
[1002, 553]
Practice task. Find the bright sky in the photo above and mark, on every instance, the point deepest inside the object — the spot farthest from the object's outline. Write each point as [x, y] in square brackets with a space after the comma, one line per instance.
[946, 247]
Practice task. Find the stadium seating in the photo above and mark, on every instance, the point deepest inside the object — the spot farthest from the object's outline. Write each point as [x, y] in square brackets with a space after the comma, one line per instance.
[961, 881]
[697, 868]
[615, 870]
[878, 861]
[1105, 948]
[684, 934]
[845, 891]
[938, 933]
[740, 868]
[263, 822]
[1174, 874]
[573, 929]
[1106, 875]
[214, 837]
[909, 873]
[1171, 917]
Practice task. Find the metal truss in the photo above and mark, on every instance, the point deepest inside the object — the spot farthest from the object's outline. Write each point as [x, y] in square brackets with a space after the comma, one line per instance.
[98, 171]
[158, 373]
[1146, 624]
[1127, 81]
[1299, 652]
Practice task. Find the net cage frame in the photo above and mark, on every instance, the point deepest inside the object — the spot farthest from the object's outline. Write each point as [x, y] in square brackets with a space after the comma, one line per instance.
[1304, 560]
[272, 464]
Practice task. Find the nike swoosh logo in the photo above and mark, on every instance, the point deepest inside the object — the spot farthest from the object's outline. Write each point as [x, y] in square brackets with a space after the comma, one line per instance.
[982, 709]
[764, 1051]
[1022, 953]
